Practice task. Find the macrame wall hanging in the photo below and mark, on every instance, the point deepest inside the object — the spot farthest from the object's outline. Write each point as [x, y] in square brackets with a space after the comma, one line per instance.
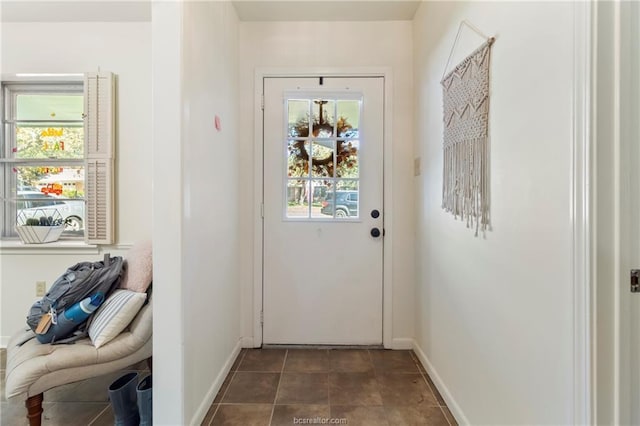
[465, 93]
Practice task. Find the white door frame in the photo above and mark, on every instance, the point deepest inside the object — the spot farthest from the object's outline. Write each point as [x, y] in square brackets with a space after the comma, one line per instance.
[610, 220]
[387, 283]
[617, 142]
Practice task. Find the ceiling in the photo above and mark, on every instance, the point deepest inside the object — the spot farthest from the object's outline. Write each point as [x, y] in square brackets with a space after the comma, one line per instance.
[248, 10]
[326, 10]
[75, 11]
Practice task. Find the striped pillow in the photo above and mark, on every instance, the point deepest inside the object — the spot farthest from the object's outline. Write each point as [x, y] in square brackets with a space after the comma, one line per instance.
[114, 315]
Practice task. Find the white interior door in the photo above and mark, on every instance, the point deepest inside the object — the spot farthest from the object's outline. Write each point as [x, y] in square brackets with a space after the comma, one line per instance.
[323, 201]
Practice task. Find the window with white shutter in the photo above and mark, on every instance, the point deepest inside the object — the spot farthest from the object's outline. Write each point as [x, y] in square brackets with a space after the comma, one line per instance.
[57, 155]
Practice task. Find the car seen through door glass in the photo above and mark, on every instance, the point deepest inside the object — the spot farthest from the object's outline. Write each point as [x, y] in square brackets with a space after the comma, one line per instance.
[346, 204]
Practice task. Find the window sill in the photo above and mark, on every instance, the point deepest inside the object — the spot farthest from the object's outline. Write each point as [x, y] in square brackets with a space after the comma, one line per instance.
[58, 247]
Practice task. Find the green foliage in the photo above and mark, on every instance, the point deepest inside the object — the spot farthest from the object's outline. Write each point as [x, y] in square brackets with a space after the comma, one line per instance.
[72, 193]
[46, 142]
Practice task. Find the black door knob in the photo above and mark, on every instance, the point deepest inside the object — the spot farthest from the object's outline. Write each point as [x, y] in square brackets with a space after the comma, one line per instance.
[375, 214]
[375, 232]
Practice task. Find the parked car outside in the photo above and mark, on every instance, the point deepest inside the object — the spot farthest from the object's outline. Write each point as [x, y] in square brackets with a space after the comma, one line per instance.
[346, 204]
[32, 203]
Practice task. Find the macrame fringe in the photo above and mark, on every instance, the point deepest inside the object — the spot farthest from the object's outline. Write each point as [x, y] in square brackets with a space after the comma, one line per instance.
[465, 189]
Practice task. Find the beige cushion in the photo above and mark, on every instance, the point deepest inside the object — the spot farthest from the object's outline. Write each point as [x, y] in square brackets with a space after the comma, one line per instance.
[138, 267]
[114, 315]
[35, 367]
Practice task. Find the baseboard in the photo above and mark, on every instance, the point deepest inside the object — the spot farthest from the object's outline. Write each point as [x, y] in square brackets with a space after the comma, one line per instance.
[4, 341]
[401, 344]
[442, 388]
[202, 410]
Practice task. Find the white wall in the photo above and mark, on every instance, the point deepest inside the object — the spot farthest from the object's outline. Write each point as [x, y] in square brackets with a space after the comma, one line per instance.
[211, 190]
[333, 45]
[73, 47]
[168, 321]
[494, 315]
[195, 71]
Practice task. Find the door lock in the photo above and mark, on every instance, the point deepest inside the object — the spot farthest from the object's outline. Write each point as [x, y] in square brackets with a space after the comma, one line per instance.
[635, 281]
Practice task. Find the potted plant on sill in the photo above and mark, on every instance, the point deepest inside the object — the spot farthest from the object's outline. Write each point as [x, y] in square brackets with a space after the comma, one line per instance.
[40, 228]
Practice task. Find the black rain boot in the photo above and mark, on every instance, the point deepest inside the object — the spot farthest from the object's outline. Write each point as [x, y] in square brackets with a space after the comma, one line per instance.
[122, 394]
[145, 401]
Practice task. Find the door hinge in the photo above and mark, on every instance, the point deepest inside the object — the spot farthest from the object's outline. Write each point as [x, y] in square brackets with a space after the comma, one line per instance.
[262, 210]
[634, 281]
[261, 317]
[262, 102]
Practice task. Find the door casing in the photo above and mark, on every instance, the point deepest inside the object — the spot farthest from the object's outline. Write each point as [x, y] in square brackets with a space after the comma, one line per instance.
[387, 279]
[629, 228]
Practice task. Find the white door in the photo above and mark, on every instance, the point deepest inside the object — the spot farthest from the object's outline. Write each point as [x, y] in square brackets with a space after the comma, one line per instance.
[323, 218]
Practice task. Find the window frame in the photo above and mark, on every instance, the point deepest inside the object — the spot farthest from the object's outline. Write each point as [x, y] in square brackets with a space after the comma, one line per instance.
[9, 91]
[310, 96]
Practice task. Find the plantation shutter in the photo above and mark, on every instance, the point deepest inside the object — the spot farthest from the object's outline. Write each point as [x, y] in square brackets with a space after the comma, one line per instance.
[99, 132]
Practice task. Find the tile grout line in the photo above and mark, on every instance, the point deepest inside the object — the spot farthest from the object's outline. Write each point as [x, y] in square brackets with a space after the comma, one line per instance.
[275, 398]
[375, 377]
[445, 416]
[99, 414]
[329, 371]
[423, 373]
[233, 374]
[247, 403]
[426, 381]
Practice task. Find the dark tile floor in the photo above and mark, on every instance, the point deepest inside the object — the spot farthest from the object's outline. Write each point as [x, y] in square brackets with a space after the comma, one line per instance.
[350, 386]
[76, 404]
[274, 387]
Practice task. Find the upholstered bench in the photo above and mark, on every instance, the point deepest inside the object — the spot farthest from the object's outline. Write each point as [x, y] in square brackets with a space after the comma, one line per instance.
[33, 368]
[120, 335]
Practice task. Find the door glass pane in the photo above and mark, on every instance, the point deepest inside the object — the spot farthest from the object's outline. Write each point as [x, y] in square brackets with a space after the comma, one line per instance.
[322, 162]
[348, 118]
[323, 118]
[320, 191]
[298, 118]
[298, 158]
[348, 164]
[327, 204]
[346, 199]
[297, 198]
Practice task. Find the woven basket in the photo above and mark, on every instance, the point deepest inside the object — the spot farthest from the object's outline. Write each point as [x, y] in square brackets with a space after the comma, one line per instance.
[39, 234]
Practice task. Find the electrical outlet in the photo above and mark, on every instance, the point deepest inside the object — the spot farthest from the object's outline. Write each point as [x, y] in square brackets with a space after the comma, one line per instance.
[41, 288]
